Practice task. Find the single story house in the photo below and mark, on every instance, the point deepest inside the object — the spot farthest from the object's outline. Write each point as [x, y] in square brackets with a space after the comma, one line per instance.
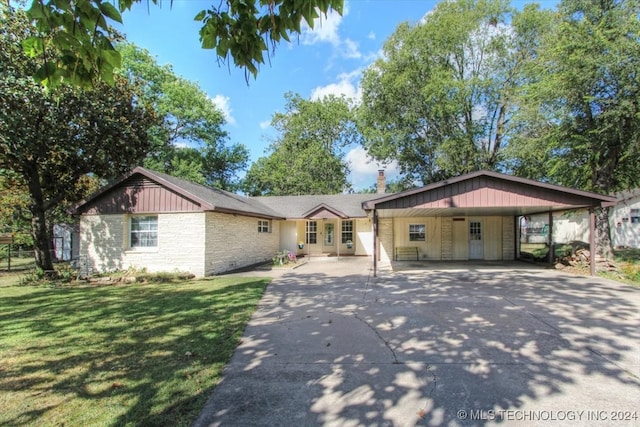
[159, 222]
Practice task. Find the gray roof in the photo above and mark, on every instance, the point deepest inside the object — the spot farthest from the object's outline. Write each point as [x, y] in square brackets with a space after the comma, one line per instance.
[296, 207]
[209, 199]
[217, 199]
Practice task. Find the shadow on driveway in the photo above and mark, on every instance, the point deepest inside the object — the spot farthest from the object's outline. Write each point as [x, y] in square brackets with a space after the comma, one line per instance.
[487, 344]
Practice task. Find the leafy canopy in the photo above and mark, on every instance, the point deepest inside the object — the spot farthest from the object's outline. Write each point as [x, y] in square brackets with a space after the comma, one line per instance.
[307, 157]
[81, 31]
[442, 99]
[189, 142]
[51, 139]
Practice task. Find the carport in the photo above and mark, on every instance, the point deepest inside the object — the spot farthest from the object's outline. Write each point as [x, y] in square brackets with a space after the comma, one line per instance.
[470, 217]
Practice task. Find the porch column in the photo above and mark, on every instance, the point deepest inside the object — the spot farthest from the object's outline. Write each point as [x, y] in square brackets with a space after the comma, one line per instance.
[592, 241]
[517, 228]
[375, 243]
[550, 237]
[338, 236]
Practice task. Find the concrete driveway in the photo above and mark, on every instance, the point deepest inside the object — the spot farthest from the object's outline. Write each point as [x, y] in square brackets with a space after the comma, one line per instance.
[434, 344]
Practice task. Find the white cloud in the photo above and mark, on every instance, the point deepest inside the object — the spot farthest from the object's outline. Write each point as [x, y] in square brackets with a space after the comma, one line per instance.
[326, 30]
[364, 169]
[371, 36]
[346, 85]
[265, 124]
[222, 102]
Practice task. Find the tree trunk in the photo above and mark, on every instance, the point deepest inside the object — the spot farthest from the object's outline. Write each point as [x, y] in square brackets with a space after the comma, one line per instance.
[41, 241]
[603, 236]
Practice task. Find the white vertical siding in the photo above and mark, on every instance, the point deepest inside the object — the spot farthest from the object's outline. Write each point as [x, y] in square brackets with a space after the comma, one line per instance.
[363, 236]
[431, 247]
[385, 235]
[460, 239]
[492, 237]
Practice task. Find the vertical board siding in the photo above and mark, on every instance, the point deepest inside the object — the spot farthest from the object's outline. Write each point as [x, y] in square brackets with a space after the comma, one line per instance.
[385, 233]
[140, 196]
[486, 192]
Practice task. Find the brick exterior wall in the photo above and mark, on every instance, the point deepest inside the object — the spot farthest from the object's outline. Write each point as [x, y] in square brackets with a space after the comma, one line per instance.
[105, 243]
[233, 241]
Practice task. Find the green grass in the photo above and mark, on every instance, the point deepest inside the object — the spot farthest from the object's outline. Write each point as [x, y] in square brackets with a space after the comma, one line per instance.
[126, 355]
[17, 264]
[628, 263]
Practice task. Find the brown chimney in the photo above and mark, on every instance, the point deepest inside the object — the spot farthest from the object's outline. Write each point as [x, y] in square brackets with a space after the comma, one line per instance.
[382, 182]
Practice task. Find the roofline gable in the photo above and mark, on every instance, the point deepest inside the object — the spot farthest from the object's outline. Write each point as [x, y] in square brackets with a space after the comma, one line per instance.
[149, 174]
[605, 200]
[324, 206]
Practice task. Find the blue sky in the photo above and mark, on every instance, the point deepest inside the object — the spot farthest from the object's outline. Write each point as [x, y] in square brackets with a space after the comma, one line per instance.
[328, 59]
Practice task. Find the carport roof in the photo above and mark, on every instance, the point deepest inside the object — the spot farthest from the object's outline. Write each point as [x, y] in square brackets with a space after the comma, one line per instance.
[485, 193]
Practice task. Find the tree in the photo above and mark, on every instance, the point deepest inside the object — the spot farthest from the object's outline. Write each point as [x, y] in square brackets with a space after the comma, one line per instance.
[307, 157]
[442, 100]
[80, 30]
[589, 96]
[50, 139]
[190, 142]
[14, 203]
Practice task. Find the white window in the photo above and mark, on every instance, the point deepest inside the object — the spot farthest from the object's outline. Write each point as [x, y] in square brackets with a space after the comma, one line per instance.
[347, 231]
[417, 232]
[264, 226]
[144, 231]
[635, 216]
[312, 233]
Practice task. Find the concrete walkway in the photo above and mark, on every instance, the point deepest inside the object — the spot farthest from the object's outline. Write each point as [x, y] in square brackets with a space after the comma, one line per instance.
[434, 344]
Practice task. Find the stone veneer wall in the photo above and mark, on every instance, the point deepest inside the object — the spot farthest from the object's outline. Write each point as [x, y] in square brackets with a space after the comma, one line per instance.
[233, 241]
[105, 243]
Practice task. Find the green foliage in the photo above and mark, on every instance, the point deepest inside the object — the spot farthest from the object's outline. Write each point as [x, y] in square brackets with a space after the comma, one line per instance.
[190, 142]
[442, 99]
[583, 127]
[50, 139]
[307, 157]
[81, 31]
[593, 60]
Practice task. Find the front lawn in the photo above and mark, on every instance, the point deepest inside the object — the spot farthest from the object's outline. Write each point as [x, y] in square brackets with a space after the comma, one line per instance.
[141, 354]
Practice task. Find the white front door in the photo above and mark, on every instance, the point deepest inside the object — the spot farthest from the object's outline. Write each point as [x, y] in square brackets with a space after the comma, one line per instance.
[476, 244]
[329, 237]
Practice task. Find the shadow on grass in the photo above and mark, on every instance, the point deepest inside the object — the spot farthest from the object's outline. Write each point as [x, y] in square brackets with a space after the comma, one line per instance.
[121, 355]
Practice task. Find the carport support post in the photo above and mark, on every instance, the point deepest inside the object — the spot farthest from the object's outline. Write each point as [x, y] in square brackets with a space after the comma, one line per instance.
[375, 243]
[550, 237]
[592, 242]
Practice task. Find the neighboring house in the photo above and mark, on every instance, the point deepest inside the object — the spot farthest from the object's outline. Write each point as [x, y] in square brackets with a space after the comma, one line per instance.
[625, 220]
[152, 220]
[573, 226]
[65, 242]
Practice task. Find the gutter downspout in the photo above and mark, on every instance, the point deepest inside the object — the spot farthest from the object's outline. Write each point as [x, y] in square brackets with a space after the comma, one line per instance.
[592, 241]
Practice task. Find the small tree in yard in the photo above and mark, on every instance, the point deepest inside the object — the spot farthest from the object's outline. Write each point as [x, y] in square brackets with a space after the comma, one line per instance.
[50, 139]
